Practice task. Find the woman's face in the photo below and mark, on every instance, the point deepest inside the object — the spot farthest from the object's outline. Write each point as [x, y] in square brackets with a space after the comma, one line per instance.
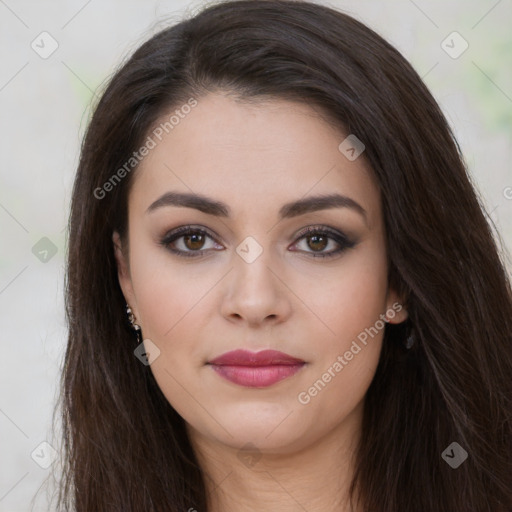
[253, 280]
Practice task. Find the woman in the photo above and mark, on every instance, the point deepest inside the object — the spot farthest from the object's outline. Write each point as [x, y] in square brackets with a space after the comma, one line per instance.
[282, 291]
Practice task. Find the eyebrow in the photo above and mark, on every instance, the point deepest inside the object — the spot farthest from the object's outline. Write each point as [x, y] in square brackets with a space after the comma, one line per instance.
[293, 209]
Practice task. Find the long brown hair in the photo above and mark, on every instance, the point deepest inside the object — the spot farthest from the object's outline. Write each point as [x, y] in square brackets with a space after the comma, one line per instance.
[125, 448]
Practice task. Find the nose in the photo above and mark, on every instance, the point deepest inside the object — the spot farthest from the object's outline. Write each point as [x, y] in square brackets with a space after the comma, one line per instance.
[255, 293]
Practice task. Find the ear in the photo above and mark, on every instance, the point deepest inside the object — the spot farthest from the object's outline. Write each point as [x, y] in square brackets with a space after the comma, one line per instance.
[123, 273]
[396, 311]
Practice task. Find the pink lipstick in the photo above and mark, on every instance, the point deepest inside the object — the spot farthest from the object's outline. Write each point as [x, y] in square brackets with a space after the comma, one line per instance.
[256, 369]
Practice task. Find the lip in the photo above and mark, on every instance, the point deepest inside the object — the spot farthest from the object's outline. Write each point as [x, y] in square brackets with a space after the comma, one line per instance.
[262, 358]
[256, 369]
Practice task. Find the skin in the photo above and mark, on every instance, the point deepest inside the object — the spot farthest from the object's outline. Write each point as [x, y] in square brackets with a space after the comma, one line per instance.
[255, 157]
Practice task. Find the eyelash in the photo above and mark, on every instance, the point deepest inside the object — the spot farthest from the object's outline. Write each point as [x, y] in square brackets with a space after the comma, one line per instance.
[178, 233]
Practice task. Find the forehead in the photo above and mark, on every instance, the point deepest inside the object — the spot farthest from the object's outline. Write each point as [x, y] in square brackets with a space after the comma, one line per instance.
[251, 154]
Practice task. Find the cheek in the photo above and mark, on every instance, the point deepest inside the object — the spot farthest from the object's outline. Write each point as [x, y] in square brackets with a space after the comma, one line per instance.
[347, 360]
[350, 304]
[160, 298]
[349, 297]
[171, 301]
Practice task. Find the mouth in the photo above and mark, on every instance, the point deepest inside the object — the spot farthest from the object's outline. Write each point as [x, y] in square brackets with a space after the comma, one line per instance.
[256, 369]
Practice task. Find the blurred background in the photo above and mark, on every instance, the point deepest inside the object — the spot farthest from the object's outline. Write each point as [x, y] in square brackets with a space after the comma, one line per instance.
[55, 55]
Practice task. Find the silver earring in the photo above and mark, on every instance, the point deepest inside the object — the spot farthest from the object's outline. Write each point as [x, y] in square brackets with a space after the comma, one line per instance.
[131, 319]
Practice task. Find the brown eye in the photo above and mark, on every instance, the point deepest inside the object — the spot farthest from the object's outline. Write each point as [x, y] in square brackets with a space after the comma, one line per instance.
[194, 242]
[189, 242]
[316, 239]
[317, 242]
